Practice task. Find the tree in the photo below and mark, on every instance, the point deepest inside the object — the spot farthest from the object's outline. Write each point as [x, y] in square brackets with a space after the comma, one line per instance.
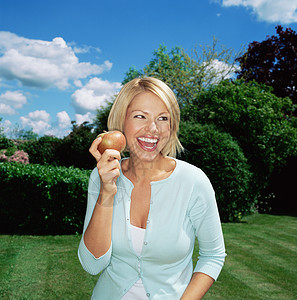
[100, 121]
[74, 148]
[188, 75]
[273, 62]
[22, 134]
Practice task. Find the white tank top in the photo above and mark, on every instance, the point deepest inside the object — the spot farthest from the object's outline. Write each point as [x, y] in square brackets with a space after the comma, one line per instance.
[137, 291]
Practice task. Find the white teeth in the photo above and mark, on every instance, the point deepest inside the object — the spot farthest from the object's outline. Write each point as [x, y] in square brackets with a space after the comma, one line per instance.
[148, 140]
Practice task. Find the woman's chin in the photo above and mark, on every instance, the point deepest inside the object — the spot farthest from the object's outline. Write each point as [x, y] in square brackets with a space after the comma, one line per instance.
[146, 155]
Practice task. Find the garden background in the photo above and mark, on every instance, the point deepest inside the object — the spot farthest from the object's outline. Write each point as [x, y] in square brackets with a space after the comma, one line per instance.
[241, 132]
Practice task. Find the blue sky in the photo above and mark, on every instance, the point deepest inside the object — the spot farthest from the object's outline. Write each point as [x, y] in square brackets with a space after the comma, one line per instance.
[60, 60]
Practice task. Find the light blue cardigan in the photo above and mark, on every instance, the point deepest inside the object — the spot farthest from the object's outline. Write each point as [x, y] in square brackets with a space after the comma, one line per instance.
[182, 206]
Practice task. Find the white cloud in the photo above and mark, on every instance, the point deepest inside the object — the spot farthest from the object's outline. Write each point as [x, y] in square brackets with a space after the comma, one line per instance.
[10, 101]
[64, 120]
[85, 49]
[88, 117]
[78, 83]
[271, 11]
[218, 70]
[94, 94]
[37, 120]
[6, 109]
[43, 64]
[60, 128]
[39, 115]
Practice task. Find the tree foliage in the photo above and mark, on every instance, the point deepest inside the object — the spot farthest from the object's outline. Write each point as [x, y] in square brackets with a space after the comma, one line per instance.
[100, 121]
[22, 134]
[74, 148]
[273, 62]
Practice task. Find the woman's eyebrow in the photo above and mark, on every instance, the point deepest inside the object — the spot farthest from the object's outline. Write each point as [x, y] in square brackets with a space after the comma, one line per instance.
[146, 113]
[135, 110]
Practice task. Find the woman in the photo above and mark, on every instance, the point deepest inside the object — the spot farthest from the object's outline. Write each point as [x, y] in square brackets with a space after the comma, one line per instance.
[144, 211]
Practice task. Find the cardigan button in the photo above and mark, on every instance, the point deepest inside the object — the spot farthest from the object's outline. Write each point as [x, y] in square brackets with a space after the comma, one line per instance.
[145, 243]
[148, 294]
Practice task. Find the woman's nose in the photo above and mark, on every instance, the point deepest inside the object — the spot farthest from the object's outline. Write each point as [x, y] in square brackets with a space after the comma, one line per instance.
[152, 127]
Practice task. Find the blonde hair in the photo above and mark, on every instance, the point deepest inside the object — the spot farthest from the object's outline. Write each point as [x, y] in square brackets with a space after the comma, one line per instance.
[136, 86]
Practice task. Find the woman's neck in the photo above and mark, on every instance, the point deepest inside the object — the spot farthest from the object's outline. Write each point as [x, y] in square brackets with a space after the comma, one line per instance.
[139, 170]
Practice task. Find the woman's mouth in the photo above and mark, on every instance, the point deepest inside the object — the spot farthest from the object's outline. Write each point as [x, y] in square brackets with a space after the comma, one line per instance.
[148, 144]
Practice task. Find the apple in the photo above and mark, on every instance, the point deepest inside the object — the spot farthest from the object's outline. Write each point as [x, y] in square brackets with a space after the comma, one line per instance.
[112, 140]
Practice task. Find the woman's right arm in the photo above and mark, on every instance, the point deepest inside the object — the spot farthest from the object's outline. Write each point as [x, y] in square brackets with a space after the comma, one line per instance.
[97, 233]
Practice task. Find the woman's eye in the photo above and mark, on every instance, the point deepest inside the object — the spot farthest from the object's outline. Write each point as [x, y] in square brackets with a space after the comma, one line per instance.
[163, 118]
[139, 117]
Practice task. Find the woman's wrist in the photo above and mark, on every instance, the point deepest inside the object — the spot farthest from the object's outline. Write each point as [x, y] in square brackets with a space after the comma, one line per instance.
[198, 286]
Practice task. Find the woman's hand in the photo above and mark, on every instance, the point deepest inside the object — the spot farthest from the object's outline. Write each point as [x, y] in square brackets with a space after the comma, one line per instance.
[108, 167]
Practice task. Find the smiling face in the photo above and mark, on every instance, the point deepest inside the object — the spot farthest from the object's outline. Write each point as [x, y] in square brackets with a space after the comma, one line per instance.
[147, 126]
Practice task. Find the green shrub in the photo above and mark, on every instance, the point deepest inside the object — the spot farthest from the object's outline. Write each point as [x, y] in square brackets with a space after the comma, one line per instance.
[38, 199]
[259, 121]
[220, 157]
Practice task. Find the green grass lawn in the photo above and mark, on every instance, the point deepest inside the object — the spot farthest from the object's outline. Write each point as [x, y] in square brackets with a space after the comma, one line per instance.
[261, 264]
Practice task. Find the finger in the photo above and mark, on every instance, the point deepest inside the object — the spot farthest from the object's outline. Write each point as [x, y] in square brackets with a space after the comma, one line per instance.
[116, 175]
[115, 164]
[95, 144]
[94, 148]
[111, 154]
[106, 166]
[109, 177]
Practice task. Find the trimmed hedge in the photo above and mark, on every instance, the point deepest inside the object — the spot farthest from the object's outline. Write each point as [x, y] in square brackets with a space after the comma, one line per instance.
[38, 199]
[223, 161]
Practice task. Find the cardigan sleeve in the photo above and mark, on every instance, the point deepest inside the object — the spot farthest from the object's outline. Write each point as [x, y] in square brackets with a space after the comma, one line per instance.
[205, 218]
[89, 262]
